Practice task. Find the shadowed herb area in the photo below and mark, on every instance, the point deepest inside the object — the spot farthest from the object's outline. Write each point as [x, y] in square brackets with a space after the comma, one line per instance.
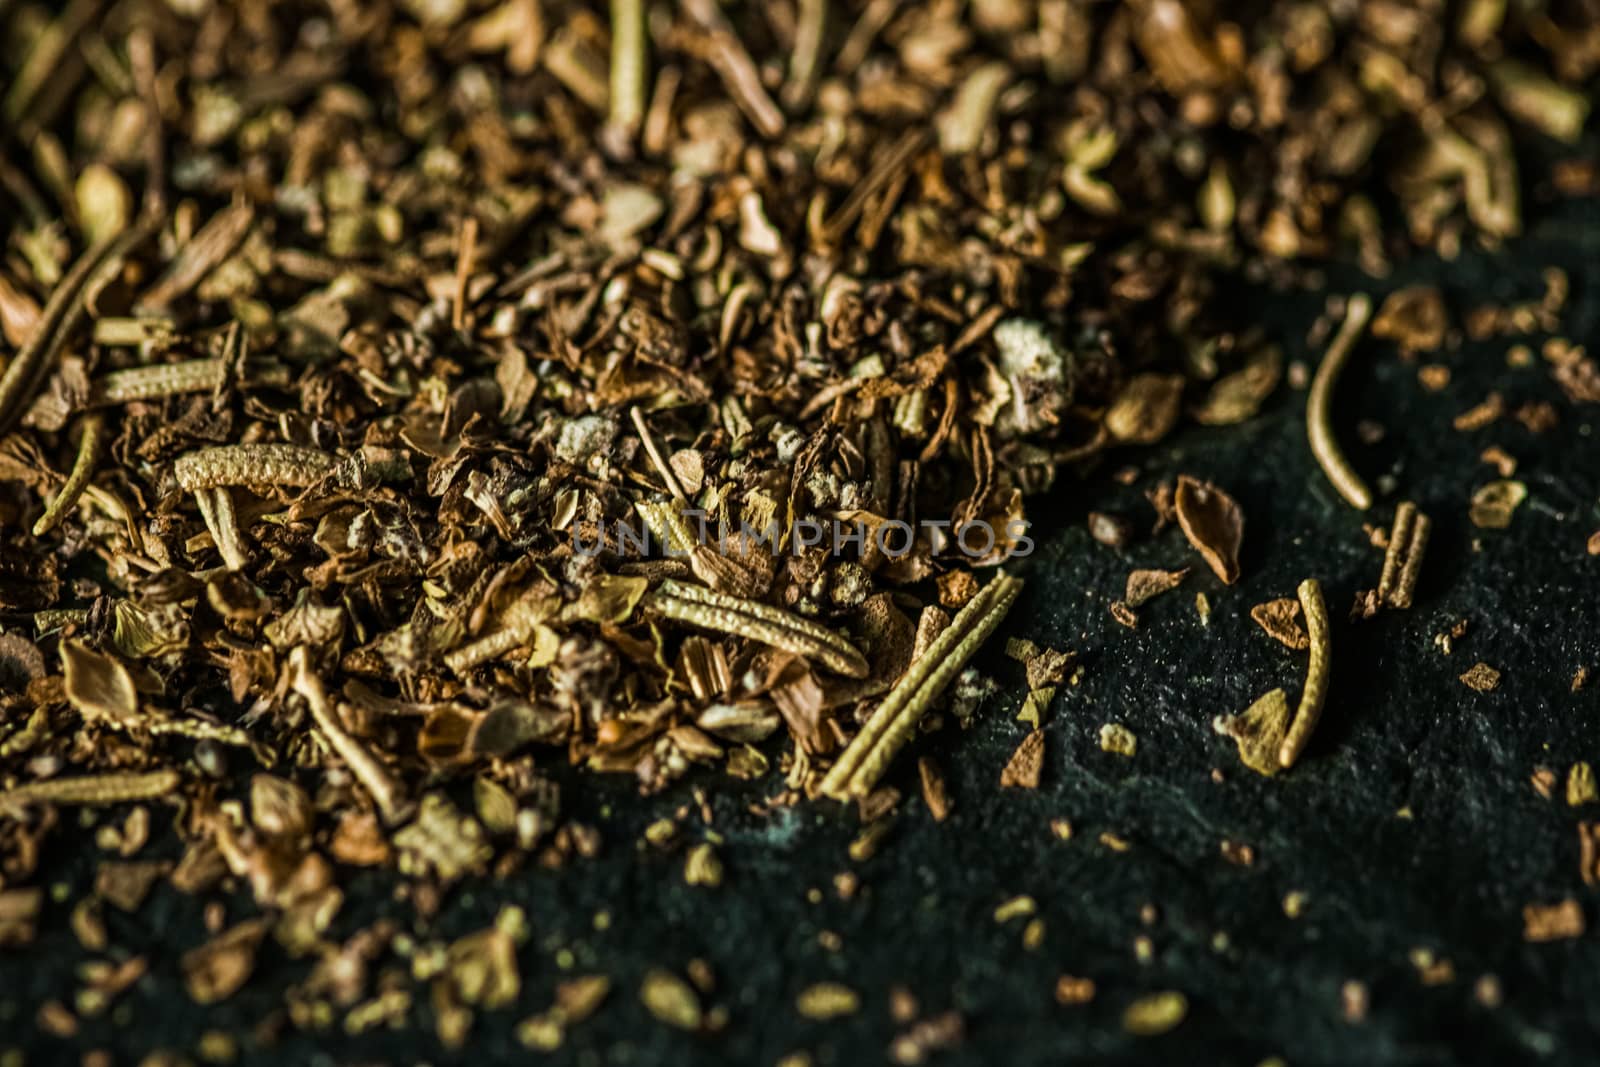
[831, 533]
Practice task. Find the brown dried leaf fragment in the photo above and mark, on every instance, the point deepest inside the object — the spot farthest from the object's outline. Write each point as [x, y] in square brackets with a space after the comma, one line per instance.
[1213, 523]
[1146, 410]
[1552, 922]
[126, 885]
[1414, 318]
[1281, 620]
[1027, 762]
[220, 967]
[1146, 584]
[1481, 677]
[1238, 396]
[98, 685]
[1049, 667]
[1259, 731]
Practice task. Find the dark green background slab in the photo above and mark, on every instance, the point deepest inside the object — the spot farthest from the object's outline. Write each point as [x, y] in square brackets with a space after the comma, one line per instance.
[1400, 731]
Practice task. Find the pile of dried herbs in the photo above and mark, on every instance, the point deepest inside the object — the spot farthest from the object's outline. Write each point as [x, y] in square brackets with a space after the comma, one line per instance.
[338, 336]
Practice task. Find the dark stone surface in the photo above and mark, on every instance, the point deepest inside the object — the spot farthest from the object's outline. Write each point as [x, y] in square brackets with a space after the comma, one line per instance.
[1401, 733]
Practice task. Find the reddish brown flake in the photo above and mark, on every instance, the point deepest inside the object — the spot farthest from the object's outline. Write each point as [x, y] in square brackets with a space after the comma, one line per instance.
[1072, 990]
[1434, 377]
[956, 588]
[1480, 415]
[1414, 318]
[1026, 764]
[1552, 922]
[1281, 620]
[1143, 585]
[1482, 677]
[1213, 523]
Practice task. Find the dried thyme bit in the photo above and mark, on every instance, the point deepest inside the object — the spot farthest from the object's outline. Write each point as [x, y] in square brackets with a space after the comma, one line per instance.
[385, 790]
[94, 790]
[869, 754]
[760, 622]
[1316, 688]
[158, 380]
[258, 464]
[90, 440]
[1402, 561]
[1319, 403]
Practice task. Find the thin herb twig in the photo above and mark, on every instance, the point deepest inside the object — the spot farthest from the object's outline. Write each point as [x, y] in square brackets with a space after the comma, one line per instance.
[371, 772]
[466, 250]
[899, 156]
[630, 68]
[870, 753]
[729, 58]
[258, 464]
[62, 314]
[1402, 560]
[90, 440]
[654, 452]
[1316, 687]
[810, 22]
[759, 622]
[1319, 403]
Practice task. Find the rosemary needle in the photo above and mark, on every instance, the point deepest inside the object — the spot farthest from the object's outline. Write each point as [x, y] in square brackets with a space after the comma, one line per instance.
[1319, 424]
[890, 726]
[89, 443]
[1316, 687]
[759, 622]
